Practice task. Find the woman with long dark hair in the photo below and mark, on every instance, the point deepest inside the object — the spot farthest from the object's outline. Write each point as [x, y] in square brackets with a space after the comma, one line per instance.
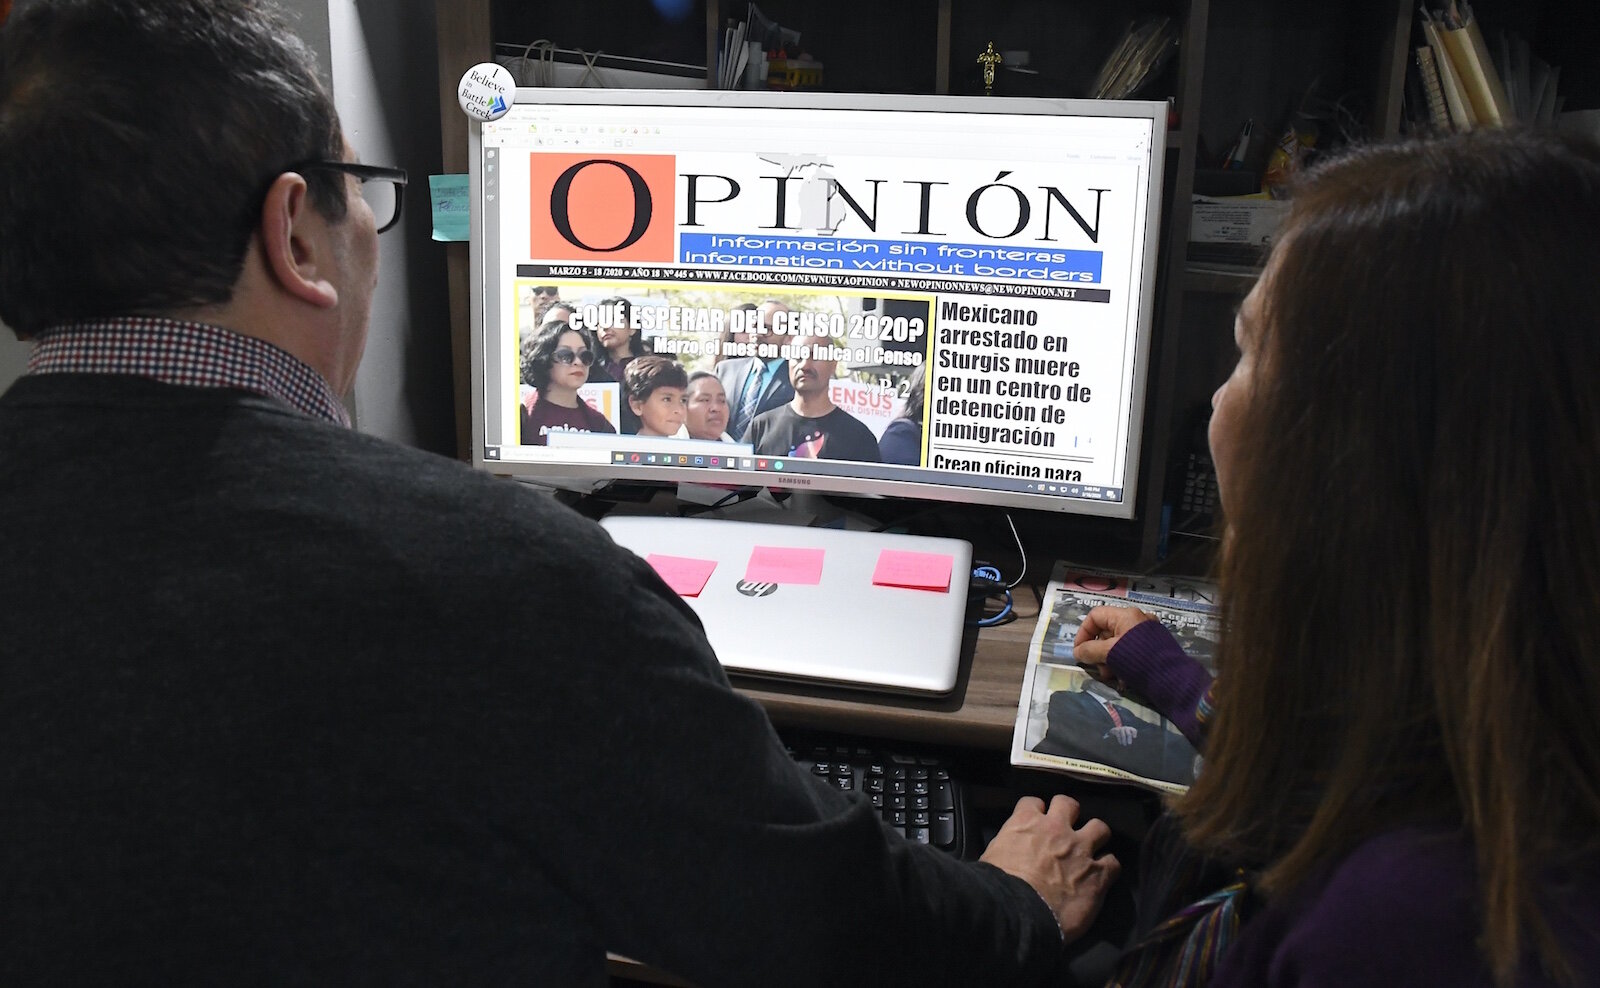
[1401, 778]
[620, 339]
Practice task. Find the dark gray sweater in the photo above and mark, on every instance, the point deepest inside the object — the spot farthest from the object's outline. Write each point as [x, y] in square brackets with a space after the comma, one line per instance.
[281, 703]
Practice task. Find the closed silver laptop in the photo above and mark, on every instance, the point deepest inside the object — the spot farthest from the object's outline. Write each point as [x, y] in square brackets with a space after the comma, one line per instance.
[844, 630]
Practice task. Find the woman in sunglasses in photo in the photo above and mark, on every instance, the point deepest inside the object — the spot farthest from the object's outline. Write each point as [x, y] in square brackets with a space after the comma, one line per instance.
[556, 362]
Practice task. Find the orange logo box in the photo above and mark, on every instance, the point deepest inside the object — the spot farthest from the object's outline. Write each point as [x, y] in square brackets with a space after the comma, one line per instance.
[599, 207]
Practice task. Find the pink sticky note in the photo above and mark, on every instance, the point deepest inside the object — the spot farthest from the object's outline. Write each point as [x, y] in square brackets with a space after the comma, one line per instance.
[686, 576]
[916, 570]
[778, 564]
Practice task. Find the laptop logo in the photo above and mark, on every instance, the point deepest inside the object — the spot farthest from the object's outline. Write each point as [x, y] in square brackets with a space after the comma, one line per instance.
[756, 589]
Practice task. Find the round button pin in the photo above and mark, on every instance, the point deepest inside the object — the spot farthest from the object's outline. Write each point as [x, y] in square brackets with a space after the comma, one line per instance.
[486, 91]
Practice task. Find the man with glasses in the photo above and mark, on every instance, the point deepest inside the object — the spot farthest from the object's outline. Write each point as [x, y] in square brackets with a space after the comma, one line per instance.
[283, 703]
[544, 298]
[382, 189]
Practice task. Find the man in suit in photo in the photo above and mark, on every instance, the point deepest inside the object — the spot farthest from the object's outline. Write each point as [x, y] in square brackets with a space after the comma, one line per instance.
[1095, 724]
[757, 384]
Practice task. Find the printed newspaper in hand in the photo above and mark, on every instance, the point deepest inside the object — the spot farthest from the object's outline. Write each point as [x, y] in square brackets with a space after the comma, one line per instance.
[1069, 722]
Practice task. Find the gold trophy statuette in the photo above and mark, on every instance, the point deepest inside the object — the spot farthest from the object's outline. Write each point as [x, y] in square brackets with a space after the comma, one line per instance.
[989, 59]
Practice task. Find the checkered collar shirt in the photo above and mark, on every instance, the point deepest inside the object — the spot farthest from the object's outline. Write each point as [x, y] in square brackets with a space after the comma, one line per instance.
[191, 354]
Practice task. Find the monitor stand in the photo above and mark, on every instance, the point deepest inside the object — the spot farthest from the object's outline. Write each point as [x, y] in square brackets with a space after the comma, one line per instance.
[770, 507]
[843, 622]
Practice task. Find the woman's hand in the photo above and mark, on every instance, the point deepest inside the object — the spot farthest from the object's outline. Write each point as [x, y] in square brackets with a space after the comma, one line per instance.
[1099, 633]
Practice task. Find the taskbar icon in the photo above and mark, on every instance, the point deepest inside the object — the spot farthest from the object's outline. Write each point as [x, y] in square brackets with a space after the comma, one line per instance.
[697, 461]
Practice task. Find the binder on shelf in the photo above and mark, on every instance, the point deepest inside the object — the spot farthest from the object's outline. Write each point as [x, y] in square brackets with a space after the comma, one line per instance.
[1550, 101]
[1511, 58]
[1142, 52]
[1462, 116]
[1470, 57]
[1433, 89]
[1530, 81]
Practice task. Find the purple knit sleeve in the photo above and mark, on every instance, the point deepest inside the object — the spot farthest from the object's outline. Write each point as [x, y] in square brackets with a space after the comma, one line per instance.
[1157, 670]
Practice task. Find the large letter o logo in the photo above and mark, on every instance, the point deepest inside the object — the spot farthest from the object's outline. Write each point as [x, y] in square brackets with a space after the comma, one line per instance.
[560, 192]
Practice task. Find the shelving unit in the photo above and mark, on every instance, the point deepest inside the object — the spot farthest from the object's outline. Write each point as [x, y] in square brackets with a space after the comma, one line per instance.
[1252, 60]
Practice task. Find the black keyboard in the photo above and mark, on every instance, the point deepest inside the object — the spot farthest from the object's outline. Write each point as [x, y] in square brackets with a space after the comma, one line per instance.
[915, 793]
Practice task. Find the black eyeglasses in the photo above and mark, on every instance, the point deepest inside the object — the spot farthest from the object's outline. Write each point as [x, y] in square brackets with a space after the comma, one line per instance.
[567, 355]
[381, 187]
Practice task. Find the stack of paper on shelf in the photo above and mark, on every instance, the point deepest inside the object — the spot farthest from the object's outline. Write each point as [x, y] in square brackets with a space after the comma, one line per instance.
[734, 57]
[747, 45]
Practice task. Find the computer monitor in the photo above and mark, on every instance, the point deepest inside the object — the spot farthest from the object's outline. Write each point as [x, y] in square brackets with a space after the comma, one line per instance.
[941, 298]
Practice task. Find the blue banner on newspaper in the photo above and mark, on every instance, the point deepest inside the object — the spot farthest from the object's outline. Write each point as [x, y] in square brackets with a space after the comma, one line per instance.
[916, 257]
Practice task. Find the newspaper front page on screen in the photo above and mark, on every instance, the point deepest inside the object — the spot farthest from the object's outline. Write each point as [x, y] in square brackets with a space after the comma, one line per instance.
[1001, 263]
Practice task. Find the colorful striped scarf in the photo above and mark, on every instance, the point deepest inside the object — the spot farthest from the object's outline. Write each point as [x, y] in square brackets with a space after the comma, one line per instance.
[1190, 911]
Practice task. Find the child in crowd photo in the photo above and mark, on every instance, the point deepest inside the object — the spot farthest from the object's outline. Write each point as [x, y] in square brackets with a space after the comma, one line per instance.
[655, 388]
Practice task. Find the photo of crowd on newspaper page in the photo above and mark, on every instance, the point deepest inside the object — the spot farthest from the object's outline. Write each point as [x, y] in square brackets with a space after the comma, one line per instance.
[797, 373]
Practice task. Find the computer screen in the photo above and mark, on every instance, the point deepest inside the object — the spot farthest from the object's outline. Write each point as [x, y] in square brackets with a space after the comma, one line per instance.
[943, 298]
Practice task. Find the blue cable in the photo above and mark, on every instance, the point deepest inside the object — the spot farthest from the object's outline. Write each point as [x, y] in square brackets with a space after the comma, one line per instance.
[999, 618]
[993, 575]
